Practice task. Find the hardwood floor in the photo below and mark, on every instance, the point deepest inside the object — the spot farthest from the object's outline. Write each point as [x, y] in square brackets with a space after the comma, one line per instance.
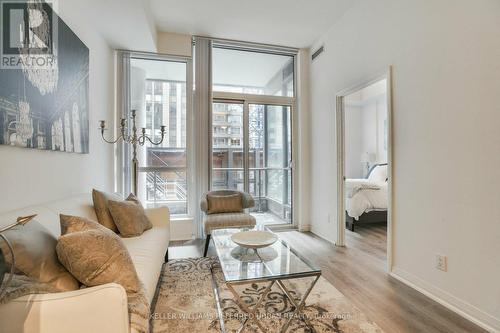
[358, 271]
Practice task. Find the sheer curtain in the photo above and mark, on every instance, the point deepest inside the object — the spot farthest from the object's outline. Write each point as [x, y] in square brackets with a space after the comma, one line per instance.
[202, 107]
[122, 150]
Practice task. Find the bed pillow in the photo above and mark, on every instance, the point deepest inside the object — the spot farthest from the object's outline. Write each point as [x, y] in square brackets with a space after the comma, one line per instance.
[97, 257]
[129, 216]
[101, 208]
[378, 174]
[35, 256]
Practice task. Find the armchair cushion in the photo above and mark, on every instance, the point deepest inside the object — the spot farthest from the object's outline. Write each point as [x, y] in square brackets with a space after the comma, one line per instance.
[247, 200]
[224, 203]
[228, 220]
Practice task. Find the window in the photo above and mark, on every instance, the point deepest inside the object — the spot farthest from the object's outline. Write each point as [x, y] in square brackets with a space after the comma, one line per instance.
[258, 73]
[158, 92]
[253, 91]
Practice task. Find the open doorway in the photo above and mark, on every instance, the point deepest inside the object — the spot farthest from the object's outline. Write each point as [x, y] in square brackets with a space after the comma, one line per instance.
[364, 165]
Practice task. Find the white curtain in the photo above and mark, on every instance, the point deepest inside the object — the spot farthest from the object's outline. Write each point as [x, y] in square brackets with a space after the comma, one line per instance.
[202, 109]
[122, 162]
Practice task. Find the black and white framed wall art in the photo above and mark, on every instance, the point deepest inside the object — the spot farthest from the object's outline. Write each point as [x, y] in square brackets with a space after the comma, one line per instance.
[44, 80]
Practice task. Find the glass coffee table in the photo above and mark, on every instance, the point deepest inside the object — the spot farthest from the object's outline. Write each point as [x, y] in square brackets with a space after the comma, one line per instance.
[271, 265]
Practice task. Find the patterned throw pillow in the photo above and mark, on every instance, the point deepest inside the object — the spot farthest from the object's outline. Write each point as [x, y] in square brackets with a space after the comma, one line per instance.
[101, 208]
[231, 203]
[96, 257]
[35, 256]
[129, 216]
[71, 224]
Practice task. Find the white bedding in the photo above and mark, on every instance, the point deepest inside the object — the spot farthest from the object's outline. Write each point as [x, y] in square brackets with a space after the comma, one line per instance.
[363, 195]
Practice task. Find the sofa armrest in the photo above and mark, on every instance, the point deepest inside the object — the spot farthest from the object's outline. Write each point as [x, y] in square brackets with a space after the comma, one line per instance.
[94, 309]
[159, 217]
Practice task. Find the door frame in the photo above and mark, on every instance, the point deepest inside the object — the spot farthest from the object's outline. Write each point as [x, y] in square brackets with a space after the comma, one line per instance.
[340, 139]
[246, 100]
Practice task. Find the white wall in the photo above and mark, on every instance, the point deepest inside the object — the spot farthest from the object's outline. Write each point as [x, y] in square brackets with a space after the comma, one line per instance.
[364, 134]
[445, 55]
[174, 44]
[29, 176]
[353, 141]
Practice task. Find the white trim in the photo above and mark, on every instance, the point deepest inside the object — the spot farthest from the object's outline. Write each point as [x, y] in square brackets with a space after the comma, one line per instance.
[253, 99]
[340, 130]
[460, 307]
[181, 228]
[250, 46]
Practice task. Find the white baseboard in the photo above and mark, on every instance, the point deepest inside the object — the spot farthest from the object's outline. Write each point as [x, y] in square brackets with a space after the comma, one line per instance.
[181, 229]
[461, 307]
[304, 227]
[321, 236]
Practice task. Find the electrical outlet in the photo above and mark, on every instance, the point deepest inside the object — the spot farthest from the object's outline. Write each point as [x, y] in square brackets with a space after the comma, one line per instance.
[442, 262]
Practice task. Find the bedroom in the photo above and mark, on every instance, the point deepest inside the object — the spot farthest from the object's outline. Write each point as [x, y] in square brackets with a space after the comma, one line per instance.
[366, 185]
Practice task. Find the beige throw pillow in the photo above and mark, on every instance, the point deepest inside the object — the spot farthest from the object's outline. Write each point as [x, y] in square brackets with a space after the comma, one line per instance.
[71, 224]
[35, 256]
[97, 257]
[129, 216]
[101, 208]
[232, 203]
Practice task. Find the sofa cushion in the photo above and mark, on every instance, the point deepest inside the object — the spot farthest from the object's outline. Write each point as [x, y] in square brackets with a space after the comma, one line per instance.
[101, 207]
[96, 257]
[35, 255]
[231, 203]
[129, 216]
[148, 254]
[228, 220]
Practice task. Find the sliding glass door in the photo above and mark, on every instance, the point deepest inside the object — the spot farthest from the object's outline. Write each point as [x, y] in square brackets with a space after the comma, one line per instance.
[270, 157]
[252, 152]
[227, 146]
[253, 94]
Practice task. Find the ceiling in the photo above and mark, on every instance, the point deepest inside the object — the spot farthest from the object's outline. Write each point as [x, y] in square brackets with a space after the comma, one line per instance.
[296, 23]
[133, 24]
[124, 24]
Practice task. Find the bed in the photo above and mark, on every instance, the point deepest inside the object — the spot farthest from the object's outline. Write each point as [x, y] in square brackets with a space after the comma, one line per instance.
[366, 199]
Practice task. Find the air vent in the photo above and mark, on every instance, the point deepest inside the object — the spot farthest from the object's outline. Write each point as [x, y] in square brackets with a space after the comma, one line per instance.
[317, 52]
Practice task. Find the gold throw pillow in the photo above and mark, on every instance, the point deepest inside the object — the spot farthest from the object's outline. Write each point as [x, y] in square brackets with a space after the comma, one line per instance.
[96, 257]
[101, 208]
[129, 216]
[224, 203]
[71, 224]
[35, 256]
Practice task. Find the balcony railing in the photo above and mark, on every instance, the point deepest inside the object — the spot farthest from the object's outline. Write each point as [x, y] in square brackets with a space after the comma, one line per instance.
[270, 187]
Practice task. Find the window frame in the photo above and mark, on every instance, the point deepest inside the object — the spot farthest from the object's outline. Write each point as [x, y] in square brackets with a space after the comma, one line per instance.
[190, 157]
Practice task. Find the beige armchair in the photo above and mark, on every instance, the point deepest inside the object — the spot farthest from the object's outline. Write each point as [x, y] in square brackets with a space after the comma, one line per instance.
[225, 209]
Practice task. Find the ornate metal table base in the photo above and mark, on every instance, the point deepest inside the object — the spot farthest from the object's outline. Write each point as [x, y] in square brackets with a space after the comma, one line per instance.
[250, 312]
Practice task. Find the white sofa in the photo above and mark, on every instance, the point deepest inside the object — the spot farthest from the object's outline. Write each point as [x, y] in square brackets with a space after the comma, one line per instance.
[94, 309]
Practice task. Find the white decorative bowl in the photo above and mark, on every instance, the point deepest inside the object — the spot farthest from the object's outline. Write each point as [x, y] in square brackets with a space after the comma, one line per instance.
[254, 239]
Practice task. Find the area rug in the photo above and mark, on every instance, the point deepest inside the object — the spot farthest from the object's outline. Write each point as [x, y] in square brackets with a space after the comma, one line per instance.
[185, 303]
